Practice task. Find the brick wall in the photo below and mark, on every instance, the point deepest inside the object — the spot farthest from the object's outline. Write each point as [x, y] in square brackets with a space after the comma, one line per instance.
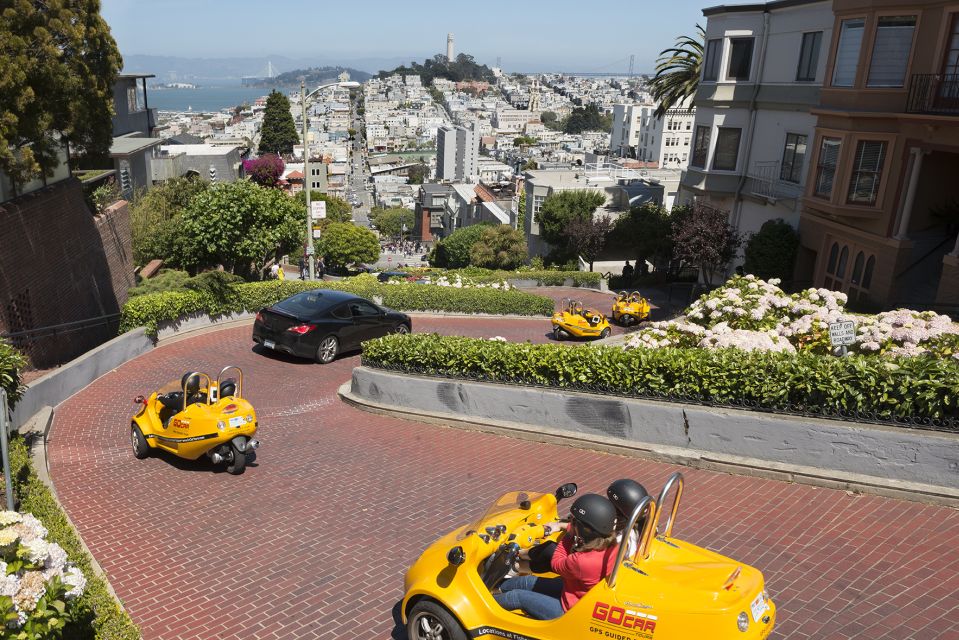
[60, 264]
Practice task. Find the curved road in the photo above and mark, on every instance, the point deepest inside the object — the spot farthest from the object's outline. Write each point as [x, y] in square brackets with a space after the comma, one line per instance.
[313, 540]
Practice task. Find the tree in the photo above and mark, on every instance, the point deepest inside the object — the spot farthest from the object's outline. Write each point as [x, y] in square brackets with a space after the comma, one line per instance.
[704, 237]
[645, 231]
[278, 133]
[521, 211]
[453, 252]
[344, 243]
[418, 173]
[390, 222]
[771, 252]
[56, 85]
[558, 209]
[524, 141]
[499, 247]
[266, 170]
[547, 117]
[337, 209]
[587, 118]
[240, 225]
[155, 220]
[677, 72]
[587, 236]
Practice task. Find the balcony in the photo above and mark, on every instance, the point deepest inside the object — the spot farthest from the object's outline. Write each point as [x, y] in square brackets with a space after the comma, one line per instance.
[764, 181]
[933, 93]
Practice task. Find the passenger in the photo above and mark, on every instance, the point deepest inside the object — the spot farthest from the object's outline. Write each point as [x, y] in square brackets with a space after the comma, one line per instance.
[625, 494]
[584, 556]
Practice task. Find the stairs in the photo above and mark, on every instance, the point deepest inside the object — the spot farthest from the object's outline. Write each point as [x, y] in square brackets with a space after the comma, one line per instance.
[918, 282]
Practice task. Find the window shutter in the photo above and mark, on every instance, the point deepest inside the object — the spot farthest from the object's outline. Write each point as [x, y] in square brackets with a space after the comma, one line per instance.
[847, 54]
[890, 54]
[867, 169]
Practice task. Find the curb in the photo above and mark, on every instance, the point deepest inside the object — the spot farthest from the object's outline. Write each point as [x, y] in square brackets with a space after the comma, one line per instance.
[695, 458]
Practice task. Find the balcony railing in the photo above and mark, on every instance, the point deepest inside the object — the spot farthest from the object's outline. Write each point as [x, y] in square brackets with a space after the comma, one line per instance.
[933, 93]
[765, 180]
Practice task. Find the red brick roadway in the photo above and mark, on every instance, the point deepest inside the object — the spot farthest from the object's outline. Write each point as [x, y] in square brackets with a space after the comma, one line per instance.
[313, 540]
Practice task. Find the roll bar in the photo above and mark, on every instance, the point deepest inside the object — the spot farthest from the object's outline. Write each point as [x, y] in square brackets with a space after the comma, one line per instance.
[200, 375]
[674, 480]
[239, 380]
[646, 506]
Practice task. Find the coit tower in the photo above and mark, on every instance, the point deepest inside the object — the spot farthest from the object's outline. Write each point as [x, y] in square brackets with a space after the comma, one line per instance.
[449, 47]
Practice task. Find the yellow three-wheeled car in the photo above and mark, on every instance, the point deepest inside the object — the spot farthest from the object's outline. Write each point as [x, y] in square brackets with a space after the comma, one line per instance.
[573, 320]
[630, 308]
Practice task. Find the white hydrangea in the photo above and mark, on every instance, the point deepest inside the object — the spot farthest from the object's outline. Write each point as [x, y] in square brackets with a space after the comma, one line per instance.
[9, 517]
[77, 582]
[37, 550]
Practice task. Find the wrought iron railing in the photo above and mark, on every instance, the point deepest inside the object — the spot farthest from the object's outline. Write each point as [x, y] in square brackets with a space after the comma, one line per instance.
[764, 179]
[933, 93]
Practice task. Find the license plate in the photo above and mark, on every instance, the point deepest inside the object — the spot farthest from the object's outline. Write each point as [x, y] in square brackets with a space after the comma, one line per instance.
[759, 606]
[269, 344]
[237, 421]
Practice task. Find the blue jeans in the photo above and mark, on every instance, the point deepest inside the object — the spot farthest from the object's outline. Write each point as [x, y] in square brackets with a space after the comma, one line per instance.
[537, 597]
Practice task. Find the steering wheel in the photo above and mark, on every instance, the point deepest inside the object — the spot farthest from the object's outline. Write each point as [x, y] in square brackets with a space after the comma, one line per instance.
[499, 564]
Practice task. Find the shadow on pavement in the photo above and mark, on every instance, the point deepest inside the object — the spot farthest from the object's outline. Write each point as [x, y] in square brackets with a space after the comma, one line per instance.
[399, 630]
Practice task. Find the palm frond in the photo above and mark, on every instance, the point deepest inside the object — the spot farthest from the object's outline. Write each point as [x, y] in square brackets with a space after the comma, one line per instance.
[678, 71]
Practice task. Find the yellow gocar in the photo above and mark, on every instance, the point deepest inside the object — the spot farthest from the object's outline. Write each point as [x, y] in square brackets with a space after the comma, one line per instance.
[668, 590]
[194, 416]
[630, 308]
[573, 320]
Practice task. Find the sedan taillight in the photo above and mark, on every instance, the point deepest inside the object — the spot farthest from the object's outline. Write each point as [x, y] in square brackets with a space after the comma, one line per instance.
[300, 329]
[259, 317]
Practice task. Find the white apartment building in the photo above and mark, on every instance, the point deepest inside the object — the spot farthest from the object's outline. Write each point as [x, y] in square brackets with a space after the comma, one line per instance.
[638, 133]
[512, 119]
[762, 74]
[457, 153]
[625, 135]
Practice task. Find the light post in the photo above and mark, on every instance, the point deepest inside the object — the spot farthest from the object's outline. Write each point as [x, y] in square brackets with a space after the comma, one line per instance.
[308, 179]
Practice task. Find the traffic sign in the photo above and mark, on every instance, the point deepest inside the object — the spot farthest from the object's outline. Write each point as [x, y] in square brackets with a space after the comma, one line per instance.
[317, 232]
[318, 208]
[842, 333]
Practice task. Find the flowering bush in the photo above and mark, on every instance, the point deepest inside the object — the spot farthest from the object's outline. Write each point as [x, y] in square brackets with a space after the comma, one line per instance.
[456, 281]
[752, 314]
[36, 581]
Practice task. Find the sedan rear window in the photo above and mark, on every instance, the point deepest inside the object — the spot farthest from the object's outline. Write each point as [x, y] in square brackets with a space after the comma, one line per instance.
[304, 304]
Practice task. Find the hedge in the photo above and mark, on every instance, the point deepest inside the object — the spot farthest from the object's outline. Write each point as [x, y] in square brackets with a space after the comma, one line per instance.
[152, 309]
[95, 615]
[12, 363]
[543, 277]
[860, 387]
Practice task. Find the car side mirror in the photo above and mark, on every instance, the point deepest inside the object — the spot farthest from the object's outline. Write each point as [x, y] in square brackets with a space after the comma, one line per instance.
[567, 490]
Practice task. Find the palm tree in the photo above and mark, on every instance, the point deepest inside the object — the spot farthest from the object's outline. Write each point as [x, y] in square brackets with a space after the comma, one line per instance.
[677, 72]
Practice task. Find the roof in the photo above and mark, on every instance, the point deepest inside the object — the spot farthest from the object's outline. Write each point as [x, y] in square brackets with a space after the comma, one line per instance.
[185, 138]
[466, 191]
[435, 188]
[124, 146]
[497, 211]
[761, 6]
[294, 175]
[199, 149]
[136, 75]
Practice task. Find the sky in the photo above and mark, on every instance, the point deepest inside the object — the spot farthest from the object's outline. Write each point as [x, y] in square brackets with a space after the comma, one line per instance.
[545, 35]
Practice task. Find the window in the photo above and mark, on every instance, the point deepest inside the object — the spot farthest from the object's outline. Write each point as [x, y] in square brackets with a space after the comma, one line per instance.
[833, 257]
[847, 53]
[843, 259]
[890, 53]
[793, 157]
[740, 58]
[362, 309]
[867, 276]
[134, 99]
[727, 148]
[866, 171]
[857, 268]
[826, 172]
[701, 147]
[714, 52]
[809, 56]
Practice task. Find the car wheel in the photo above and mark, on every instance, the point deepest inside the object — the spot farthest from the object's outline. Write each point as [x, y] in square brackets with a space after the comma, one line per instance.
[605, 333]
[327, 350]
[430, 621]
[140, 447]
[401, 329]
[626, 320]
[558, 333]
[238, 464]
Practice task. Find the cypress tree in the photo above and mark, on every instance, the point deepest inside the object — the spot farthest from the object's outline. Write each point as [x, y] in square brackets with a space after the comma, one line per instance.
[278, 134]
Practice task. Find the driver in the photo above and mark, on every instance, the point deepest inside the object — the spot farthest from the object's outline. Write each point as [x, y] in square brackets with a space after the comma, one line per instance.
[583, 557]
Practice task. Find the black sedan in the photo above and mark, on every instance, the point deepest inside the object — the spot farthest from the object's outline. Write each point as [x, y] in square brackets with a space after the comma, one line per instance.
[320, 324]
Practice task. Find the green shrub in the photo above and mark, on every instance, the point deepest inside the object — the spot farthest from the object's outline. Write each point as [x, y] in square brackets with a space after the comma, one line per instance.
[165, 280]
[453, 252]
[543, 277]
[150, 310]
[920, 387]
[95, 615]
[11, 363]
[771, 252]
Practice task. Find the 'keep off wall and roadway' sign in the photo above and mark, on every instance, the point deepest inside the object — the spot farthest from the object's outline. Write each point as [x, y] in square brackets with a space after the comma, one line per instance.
[318, 209]
[842, 333]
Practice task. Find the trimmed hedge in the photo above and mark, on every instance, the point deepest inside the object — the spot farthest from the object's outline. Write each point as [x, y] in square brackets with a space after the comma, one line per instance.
[150, 310]
[12, 363]
[543, 277]
[885, 389]
[95, 615]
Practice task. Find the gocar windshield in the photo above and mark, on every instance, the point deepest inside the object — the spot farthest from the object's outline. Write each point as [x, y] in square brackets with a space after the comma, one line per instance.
[304, 304]
[504, 504]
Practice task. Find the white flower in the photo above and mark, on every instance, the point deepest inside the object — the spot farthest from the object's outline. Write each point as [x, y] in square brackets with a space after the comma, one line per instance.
[56, 560]
[9, 517]
[37, 550]
[9, 584]
[498, 339]
[76, 581]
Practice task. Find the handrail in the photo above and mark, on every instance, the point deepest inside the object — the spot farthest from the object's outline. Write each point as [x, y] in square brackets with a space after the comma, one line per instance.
[646, 506]
[672, 480]
[239, 382]
[200, 375]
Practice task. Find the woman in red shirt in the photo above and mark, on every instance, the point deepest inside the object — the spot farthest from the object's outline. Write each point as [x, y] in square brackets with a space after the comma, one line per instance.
[584, 556]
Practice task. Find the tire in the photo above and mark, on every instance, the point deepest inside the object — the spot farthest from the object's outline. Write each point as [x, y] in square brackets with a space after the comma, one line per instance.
[604, 333]
[626, 320]
[558, 334]
[429, 620]
[239, 462]
[140, 447]
[401, 329]
[328, 349]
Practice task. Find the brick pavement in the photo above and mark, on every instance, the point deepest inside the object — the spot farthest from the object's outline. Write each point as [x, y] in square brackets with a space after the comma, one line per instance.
[313, 540]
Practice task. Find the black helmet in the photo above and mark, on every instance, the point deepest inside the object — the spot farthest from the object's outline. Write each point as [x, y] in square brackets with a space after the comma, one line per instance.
[194, 383]
[625, 494]
[228, 388]
[596, 512]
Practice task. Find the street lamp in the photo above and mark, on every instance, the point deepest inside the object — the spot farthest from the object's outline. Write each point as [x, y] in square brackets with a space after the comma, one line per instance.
[304, 96]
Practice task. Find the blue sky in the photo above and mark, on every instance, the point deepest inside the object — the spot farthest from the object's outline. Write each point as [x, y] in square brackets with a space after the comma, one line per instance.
[528, 36]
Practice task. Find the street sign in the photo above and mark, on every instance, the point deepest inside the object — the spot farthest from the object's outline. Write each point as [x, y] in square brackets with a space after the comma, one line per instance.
[842, 333]
[309, 251]
[318, 209]
[317, 232]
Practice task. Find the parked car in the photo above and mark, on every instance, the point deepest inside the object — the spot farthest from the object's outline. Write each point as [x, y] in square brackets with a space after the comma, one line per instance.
[320, 324]
[383, 276]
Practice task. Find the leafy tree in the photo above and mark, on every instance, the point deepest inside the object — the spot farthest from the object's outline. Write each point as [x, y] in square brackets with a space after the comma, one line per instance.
[240, 225]
[587, 236]
[558, 209]
[587, 118]
[499, 247]
[337, 209]
[56, 84]
[645, 231]
[547, 117]
[771, 252]
[453, 252]
[524, 141]
[278, 133]
[343, 244]
[521, 212]
[530, 165]
[389, 222]
[677, 72]
[705, 238]
[418, 173]
[155, 224]
[463, 67]
[266, 170]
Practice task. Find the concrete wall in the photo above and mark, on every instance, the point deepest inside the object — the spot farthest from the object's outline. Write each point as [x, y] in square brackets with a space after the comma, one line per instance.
[879, 452]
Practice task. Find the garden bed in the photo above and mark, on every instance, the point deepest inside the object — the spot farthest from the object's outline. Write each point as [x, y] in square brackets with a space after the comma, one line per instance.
[529, 277]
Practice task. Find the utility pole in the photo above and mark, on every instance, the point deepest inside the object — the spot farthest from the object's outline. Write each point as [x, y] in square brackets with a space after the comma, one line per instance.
[307, 184]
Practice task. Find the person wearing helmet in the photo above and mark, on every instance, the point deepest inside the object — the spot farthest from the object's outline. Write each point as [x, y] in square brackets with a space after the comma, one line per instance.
[625, 494]
[584, 556]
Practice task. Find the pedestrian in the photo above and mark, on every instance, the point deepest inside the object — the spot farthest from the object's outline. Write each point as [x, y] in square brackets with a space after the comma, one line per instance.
[279, 274]
[320, 268]
[304, 268]
[628, 272]
[274, 271]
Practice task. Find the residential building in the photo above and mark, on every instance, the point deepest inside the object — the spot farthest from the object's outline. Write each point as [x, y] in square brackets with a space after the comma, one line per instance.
[885, 154]
[206, 161]
[430, 208]
[763, 69]
[457, 153]
[625, 135]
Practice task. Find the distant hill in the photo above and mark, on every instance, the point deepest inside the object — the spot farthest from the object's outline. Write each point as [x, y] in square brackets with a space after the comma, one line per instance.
[460, 69]
[313, 76]
[211, 71]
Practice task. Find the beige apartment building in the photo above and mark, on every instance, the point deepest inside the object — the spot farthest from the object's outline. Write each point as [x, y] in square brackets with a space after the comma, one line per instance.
[880, 211]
